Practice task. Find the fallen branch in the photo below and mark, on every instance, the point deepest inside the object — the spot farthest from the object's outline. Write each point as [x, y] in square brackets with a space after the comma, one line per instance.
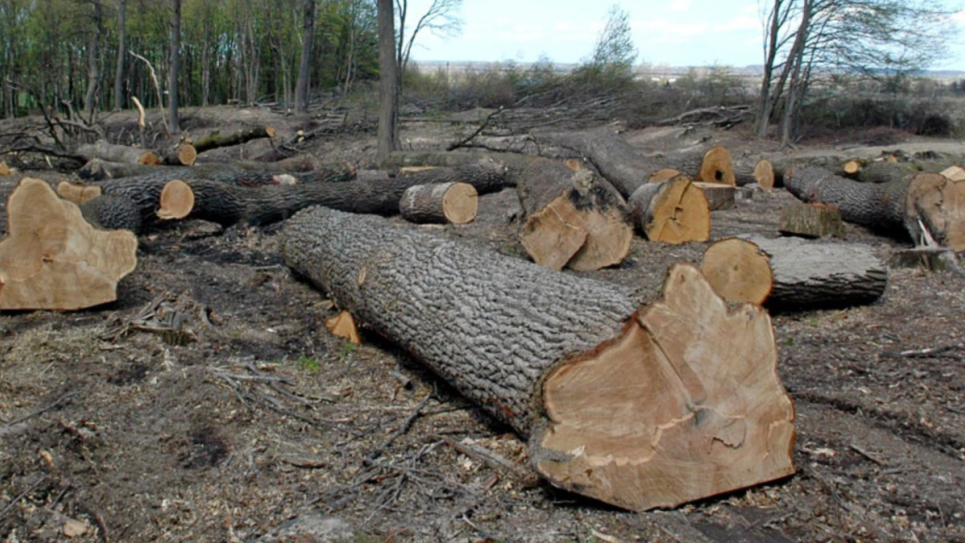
[482, 126]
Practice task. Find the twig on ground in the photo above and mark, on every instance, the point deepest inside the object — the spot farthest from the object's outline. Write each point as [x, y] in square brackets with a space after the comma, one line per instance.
[402, 429]
[931, 352]
[22, 495]
[43, 410]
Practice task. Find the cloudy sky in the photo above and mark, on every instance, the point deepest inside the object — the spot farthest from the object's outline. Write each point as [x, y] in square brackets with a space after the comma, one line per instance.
[672, 32]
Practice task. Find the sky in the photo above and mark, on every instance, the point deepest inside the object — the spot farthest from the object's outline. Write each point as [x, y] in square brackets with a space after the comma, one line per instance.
[668, 32]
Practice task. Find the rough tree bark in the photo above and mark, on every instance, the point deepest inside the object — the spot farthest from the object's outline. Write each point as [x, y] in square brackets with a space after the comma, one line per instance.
[303, 86]
[118, 153]
[452, 203]
[174, 59]
[388, 135]
[121, 53]
[641, 409]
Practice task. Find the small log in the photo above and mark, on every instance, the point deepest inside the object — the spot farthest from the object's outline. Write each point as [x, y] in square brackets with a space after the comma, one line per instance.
[805, 274]
[719, 196]
[674, 211]
[54, 259]
[454, 203]
[118, 153]
[343, 326]
[184, 154]
[572, 219]
[641, 409]
[217, 140]
[811, 221]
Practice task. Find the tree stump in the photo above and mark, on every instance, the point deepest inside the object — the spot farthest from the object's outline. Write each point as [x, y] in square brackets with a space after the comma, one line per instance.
[641, 409]
[674, 211]
[53, 259]
[572, 219]
[454, 203]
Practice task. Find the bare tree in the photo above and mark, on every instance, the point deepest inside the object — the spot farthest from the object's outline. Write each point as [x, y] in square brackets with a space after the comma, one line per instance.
[121, 46]
[93, 58]
[174, 123]
[441, 19]
[388, 135]
[305, 65]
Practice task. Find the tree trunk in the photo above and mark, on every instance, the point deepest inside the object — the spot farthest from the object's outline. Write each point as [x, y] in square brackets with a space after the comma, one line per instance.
[118, 153]
[609, 397]
[452, 203]
[121, 53]
[217, 140]
[388, 136]
[794, 273]
[302, 88]
[53, 259]
[174, 68]
[572, 218]
[674, 211]
[93, 67]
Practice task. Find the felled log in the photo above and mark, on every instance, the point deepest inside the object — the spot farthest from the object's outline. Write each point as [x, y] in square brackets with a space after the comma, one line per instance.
[53, 259]
[674, 211]
[719, 196]
[216, 140]
[716, 166]
[886, 172]
[641, 409]
[794, 273]
[484, 175]
[512, 163]
[118, 153]
[98, 169]
[811, 221]
[183, 154]
[572, 219]
[453, 203]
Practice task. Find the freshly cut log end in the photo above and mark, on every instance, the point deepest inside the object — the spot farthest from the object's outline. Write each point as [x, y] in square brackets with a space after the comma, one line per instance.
[187, 155]
[177, 200]
[343, 326]
[454, 203]
[717, 167]
[954, 173]
[409, 170]
[738, 271]
[674, 211]
[53, 259]
[939, 203]
[554, 234]
[4, 169]
[684, 405]
[150, 158]
[764, 174]
[853, 166]
[77, 193]
[811, 221]
[664, 174]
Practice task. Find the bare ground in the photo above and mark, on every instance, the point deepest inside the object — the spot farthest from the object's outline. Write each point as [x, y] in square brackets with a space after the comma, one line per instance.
[264, 426]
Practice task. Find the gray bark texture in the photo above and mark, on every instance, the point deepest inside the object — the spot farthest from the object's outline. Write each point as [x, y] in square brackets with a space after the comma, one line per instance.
[489, 324]
[881, 206]
[113, 153]
[112, 212]
[611, 155]
[810, 274]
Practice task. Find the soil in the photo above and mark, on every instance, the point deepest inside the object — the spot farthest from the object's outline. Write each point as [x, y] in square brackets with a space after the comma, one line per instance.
[255, 424]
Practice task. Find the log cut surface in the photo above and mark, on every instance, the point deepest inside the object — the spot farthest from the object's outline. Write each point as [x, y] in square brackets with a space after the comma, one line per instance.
[53, 259]
[674, 211]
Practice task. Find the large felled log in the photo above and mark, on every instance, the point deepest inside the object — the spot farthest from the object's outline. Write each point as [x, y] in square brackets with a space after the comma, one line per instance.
[641, 409]
[118, 153]
[794, 273]
[216, 140]
[675, 211]
[53, 259]
[454, 203]
[572, 218]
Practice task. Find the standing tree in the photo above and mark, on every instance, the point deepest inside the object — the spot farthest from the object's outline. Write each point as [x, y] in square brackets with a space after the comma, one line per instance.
[121, 46]
[174, 121]
[93, 59]
[614, 53]
[388, 135]
[305, 64]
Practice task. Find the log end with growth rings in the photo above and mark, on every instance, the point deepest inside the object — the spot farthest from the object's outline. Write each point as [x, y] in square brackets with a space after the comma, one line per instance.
[717, 167]
[684, 405]
[738, 271]
[675, 211]
[177, 200]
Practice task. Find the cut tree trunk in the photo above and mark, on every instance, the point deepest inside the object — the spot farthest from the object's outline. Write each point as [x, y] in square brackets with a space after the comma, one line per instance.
[217, 140]
[184, 154]
[453, 203]
[719, 196]
[717, 167]
[674, 211]
[806, 274]
[572, 218]
[939, 203]
[118, 153]
[811, 221]
[100, 170]
[53, 259]
[674, 403]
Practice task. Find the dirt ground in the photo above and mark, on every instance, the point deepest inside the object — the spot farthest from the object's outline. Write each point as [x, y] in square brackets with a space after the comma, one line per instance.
[257, 425]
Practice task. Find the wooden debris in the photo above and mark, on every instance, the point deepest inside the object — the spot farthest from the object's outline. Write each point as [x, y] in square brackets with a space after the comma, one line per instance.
[811, 221]
[53, 259]
[4, 169]
[453, 203]
[343, 326]
[719, 196]
[935, 259]
[572, 219]
[608, 395]
[675, 211]
[954, 173]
